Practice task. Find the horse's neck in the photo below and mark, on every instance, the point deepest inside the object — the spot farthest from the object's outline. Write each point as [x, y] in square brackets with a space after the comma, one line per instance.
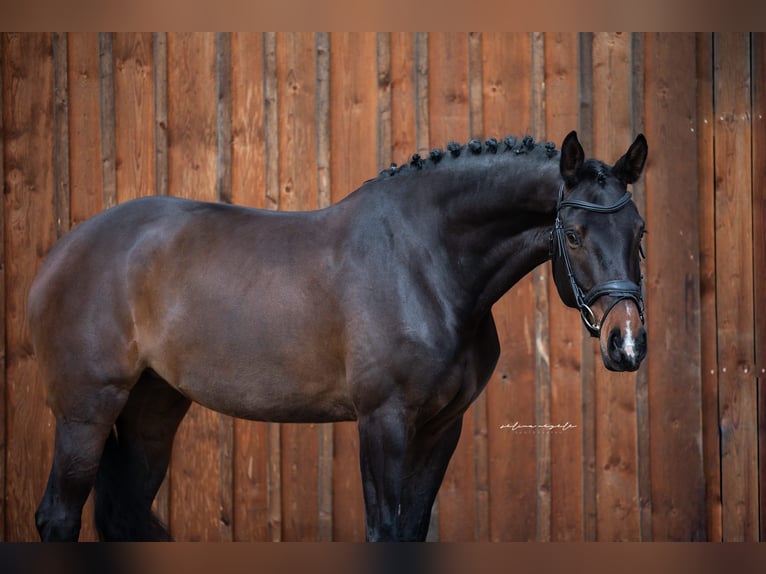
[497, 227]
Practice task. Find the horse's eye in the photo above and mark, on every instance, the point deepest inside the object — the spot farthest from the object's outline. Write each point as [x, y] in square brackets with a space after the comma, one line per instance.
[573, 239]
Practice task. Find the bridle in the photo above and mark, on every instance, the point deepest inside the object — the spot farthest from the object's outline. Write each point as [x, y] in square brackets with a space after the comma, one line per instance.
[619, 289]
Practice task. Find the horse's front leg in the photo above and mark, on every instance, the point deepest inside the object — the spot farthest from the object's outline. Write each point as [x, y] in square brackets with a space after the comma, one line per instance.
[402, 470]
[382, 451]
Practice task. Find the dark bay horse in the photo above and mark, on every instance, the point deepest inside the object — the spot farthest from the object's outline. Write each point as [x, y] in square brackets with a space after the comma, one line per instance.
[377, 309]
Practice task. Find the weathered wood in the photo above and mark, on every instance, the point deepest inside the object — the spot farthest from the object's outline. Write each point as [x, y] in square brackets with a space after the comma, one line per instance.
[403, 91]
[616, 454]
[734, 287]
[383, 68]
[86, 171]
[354, 120]
[449, 120]
[134, 115]
[587, 357]
[638, 190]
[677, 494]
[224, 192]
[271, 156]
[296, 75]
[707, 310]
[30, 231]
[248, 187]
[86, 187]
[3, 379]
[61, 127]
[759, 251]
[507, 110]
[160, 52]
[480, 413]
[541, 326]
[192, 132]
[223, 115]
[107, 113]
[564, 328]
[326, 446]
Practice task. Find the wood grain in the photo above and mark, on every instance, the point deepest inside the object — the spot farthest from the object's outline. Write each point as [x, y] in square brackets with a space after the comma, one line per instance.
[248, 187]
[759, 251]
[448, 88]
[296, 81]
[707, 264]
[507, 72]
[672, 300]
[353, 122]
[195, 478]
[30, 231]
[134, 115]
[564, 330]
[616, 441]
[734, 287]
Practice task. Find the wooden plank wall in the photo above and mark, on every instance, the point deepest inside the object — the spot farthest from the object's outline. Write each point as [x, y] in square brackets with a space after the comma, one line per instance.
[296, 121]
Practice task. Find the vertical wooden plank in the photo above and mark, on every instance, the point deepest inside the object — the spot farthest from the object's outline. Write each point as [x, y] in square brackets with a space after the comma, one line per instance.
[616, 441]
[3, 380]
[133, 115]
[708, 345]
[638, 189]
[542, 341]
[511, 391]
[588, 360]
[61, 126]
[85, 148]
[161, 175]
[403, 92]
[248, 187]
[296, 74]
[384, 69]
[564, 330]
[223, 115]
[195, 495]
[354, 106]
[224, 193]
[422, 94]
[734, 288]
[86, 189]
[326, 446]
[677, 477]
[160, 51]
[107, 112]
[449, 114]
[759, 252]
[480, 412]
[271, 155]
[30, 231]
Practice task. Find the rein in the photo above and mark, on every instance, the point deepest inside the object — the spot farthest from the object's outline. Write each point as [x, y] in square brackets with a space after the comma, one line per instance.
[619, 289]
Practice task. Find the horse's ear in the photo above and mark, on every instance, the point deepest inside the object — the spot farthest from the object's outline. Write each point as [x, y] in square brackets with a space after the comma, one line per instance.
[572, 158]
[629, 167]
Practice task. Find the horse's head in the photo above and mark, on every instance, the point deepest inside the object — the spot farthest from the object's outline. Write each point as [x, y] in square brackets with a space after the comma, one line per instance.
[596, 250]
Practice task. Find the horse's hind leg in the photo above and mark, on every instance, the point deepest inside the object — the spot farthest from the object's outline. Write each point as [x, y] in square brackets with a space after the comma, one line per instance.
[135, 459]
[77, 452]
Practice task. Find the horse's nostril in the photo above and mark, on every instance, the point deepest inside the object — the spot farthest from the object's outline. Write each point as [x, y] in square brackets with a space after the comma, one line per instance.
[615, 344]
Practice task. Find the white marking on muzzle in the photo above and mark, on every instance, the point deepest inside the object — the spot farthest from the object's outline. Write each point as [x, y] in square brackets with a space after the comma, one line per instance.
[629, 341]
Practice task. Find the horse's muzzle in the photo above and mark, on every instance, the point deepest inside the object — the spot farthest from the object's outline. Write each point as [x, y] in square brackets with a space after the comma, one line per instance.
[623, 339]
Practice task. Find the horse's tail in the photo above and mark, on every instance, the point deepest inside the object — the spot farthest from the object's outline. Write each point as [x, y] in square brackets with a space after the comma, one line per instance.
[122, 512]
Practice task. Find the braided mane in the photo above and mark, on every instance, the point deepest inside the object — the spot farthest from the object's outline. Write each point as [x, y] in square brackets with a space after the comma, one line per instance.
[509, 144]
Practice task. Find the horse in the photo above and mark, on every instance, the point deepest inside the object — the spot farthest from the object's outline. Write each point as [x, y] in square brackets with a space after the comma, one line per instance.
[377, 309]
